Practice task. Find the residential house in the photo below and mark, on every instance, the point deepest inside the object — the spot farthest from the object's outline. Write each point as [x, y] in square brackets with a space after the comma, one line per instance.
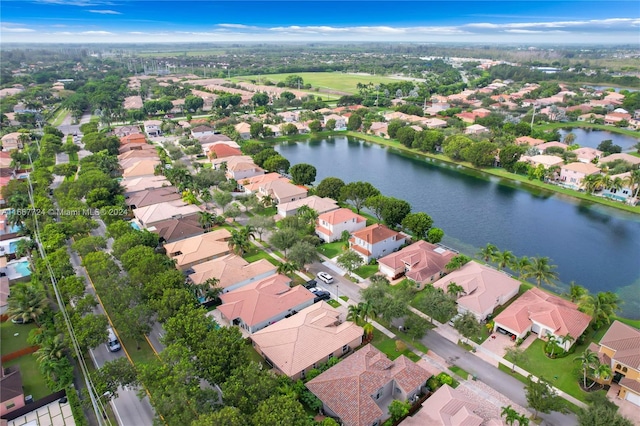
[528, 140]
[543, 314]
[613, 118]
[295, 345]
[221, 150]
[151, 214]
[379, 129]
[4, 294]
[132, 102]
[467, 117]
[341, 122]
[436, 108]
[153, 128]
[201, 131]
[624, 193]
[12, 395]
[318, 204]
[359, 389]
[434, 123]
[137, 168]
[123, 149]
[238, 167]
[547, 161]
[198, 249]
[572, 174]
[290, 116]
[231, 272]
[244, 129]
[141, 154]
[332, 224]
[303, 128]
[376, 241]
[134, 185]
[152, 196]
[281, 191]
[484, 288]
[11, 141]
[619, 348]
[621, 156]
[544, 146]
[396, 115]
[215, 138]
[262, 303]
[5, 163]
[218, 163]
[125, 131]
[171, 230]
[421, 262]
[590, 118]
[252, 184]
[276, 131]
[133, 138]
[475, 129]
[451, 407]
[587, 155]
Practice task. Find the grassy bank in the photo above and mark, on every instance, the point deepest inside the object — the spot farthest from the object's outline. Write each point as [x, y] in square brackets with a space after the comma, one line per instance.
[584, 125]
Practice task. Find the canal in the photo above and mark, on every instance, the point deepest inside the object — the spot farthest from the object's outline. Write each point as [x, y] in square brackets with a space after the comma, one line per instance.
[595, 246]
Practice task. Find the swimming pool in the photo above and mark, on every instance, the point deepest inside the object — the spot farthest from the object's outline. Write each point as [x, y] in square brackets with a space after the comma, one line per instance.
[22, 268]
[13, 246]
[135, 226]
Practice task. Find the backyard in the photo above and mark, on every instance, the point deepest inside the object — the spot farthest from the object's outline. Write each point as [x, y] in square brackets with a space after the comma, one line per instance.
[14, 336]
[332, 250]
[32, 381]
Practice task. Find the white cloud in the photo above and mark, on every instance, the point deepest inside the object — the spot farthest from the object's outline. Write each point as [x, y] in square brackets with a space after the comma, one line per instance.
[96, 33]
[239, 26]
[81, 3]
[6, 29]
[105, 11]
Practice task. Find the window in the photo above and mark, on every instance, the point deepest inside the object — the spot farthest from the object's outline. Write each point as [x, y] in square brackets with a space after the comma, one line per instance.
[345, 348]
[10, 405]
[314, 365]
[303, 374]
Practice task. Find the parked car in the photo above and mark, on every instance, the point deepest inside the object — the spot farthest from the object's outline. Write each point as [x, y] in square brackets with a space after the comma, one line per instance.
[314, 289]
[20, 320]
[310, 284]
[113, 345]
[321, 295]
[453, 320]
[325, 278]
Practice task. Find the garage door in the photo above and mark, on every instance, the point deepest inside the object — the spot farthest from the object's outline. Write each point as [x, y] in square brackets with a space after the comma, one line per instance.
[633, 398]
[535, 328]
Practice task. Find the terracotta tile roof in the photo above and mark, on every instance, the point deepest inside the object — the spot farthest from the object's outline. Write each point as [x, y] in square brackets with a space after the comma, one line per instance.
[136, 147]
[230, 270]
[172, 230]
[421, 258]
[153, 196]
[136, 184]
[319, 204]
[342, 215]
[482, 286]
[375, 233]
[586, 168]
[133, 138]
[139, 154]
[253, 183]
[201, 129]
[528, 140]
[282, 189]
[625, 341]
[359, 249]
[634, 385]
[141, 168]
[297, 342]
[348, 387]
[11, 382]
[132, 160]
[558, 315]
[194, 249]
[620, 156]
[446, 407]
[162, 211]
[257, 302]
[221, 150]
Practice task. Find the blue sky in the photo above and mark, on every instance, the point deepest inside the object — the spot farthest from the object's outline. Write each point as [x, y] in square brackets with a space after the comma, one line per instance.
[531, 22]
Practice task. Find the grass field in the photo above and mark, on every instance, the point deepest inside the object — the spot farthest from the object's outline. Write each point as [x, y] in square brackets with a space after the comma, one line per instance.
[11, 342]
[324, 80]
[365, 271]
[32, 381]
[60, 116]
[255, 253]
[387, 346]
[331, 250]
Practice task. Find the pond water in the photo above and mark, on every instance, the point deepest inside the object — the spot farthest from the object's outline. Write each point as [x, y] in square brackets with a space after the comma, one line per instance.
[595, 246]
[593, 137]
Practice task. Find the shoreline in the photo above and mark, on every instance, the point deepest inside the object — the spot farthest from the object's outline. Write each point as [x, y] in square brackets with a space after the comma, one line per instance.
[517, 181]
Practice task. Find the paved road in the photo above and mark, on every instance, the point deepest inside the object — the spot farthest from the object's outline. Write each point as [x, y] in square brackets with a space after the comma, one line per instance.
[340, 287]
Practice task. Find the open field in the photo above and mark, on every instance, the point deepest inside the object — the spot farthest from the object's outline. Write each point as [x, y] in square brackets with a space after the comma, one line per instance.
[11, 342]
[324, 80]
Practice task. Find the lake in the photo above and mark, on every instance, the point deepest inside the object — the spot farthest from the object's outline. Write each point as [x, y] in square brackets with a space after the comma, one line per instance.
[593, 137]
[595, 246]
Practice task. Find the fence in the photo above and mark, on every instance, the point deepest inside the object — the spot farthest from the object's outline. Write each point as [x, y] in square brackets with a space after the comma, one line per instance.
[17, 354]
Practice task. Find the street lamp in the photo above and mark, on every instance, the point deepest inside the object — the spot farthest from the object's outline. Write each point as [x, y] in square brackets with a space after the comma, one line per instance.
[337, 291]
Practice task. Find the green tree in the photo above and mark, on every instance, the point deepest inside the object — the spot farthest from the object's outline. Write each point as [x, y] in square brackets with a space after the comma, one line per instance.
[239, 242]
[28, 302]
[415, 326]
[509, 414]
[315, 126]
[228, 416]
[330, 187]
[481, 154]
[468, 325]
[303, 174]
[541, 271]
[89, 244]
[418, 224]
[588, 359]
[505, 259]
[406, 135]
[394, 211]
[330, 125]
[516, 355]
[510, 155]
[601, 412]
[281, 410]
[542, 398]
[260, 99]
[457, 262]
[393, 127]
[398, 409]
[600, 307]
[222, 199]
[354, 122]
[454, 290]
[454, 146]
[303, 253]
[284, 239]
[576, 292]
[437, 305]
[435, 235]
[114, 374]
[247, 387]
[90, 330]
[277, 163]
[350, 260]
[488, 252]
[261, 224]
[356, 193]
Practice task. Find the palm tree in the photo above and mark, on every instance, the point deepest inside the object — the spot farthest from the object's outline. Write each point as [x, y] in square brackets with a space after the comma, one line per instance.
[510, 415]
[208, 290]
[600, 307]
[633, 180]
[454, 290]
[590, 183]
[567, 338]
[354, 314]
[52, 349]
[521, 265]
[27, 302]
[523, 420]
[368, 330]
[587, 360]
[488, 252]
[576, 292]
[601, 371]
[239, 242]
[206, 219]
[504, 259]
[287, 268]
[541, 270]
[366, 310]
[249, 232]
[267, 201]
[569, 138]
[552, 342]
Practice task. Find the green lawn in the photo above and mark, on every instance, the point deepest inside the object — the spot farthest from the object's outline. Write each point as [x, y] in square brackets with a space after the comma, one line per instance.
[32, 381]
[270, 211]
[255, 356]
[345, 298]
[10, 342]
[365, 271]
[459, 371]
[334, 303]
[630, 322]
[404, 336]
[60, 116]
[73, 158]
[331, 250]
[325, 80]
[139, 356]
[388, 347]
[256, 254]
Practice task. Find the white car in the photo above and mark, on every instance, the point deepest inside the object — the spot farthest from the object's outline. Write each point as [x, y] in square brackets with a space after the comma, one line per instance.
[325, 278]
